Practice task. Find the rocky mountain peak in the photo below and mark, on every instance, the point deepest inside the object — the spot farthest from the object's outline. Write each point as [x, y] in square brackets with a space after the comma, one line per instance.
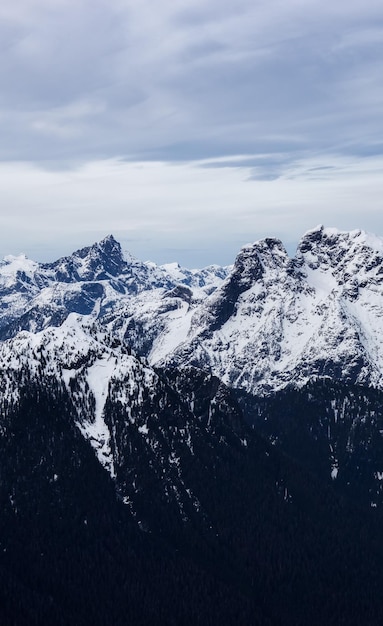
[254, 260]
[99, 261]
[277, 321]
[347, 256]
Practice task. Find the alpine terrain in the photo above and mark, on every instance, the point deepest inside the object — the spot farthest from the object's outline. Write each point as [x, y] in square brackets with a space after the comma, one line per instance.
[193, 446]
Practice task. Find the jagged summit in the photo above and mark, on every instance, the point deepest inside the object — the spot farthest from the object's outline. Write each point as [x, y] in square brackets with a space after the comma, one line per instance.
[99, 279]
[268, 253]
[108, 239]
[343, 258]
[99, 261]
[321, 236]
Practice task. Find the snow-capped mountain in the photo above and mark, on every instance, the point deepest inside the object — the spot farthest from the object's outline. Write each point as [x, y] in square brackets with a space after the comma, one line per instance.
[136, 299]
[276, 320]
[193, 446]
[99, 321]
[259, 325]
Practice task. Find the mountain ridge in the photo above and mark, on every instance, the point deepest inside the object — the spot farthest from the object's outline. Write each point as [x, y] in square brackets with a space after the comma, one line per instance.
[207, 443]
[319, 313]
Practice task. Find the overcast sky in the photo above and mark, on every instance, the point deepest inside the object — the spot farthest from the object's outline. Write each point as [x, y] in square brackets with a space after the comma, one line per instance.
[188, 128]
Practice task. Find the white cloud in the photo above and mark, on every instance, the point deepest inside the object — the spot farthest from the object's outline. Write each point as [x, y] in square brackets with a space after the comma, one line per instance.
[155, 206]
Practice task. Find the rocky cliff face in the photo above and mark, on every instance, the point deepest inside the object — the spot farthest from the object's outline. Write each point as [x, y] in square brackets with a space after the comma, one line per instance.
[276, 321]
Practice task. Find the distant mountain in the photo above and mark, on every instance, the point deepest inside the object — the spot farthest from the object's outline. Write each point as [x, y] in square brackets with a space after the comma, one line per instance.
[126, 294]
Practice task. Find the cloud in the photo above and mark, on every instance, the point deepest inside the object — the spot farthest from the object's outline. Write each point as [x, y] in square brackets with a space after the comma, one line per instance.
[194, 125]
[206, 213]
[94, 80]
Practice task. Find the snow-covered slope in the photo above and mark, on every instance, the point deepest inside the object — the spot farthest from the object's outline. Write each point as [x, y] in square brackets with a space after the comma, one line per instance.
[86, 359]
[128, 295]
[139, 421]
[277, 320]
[267, 321]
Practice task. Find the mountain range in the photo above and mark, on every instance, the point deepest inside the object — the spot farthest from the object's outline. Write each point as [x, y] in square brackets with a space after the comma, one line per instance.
[193, 446]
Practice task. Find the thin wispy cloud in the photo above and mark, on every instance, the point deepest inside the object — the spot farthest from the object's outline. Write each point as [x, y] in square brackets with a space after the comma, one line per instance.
[156, 208]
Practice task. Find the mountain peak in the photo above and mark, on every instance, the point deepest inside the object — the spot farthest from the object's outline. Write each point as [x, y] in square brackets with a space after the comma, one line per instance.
[109, 242]
[254, 259]
[353, 252]
[109, 238]
[106, 246]
[329, 235]
[96, 262]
